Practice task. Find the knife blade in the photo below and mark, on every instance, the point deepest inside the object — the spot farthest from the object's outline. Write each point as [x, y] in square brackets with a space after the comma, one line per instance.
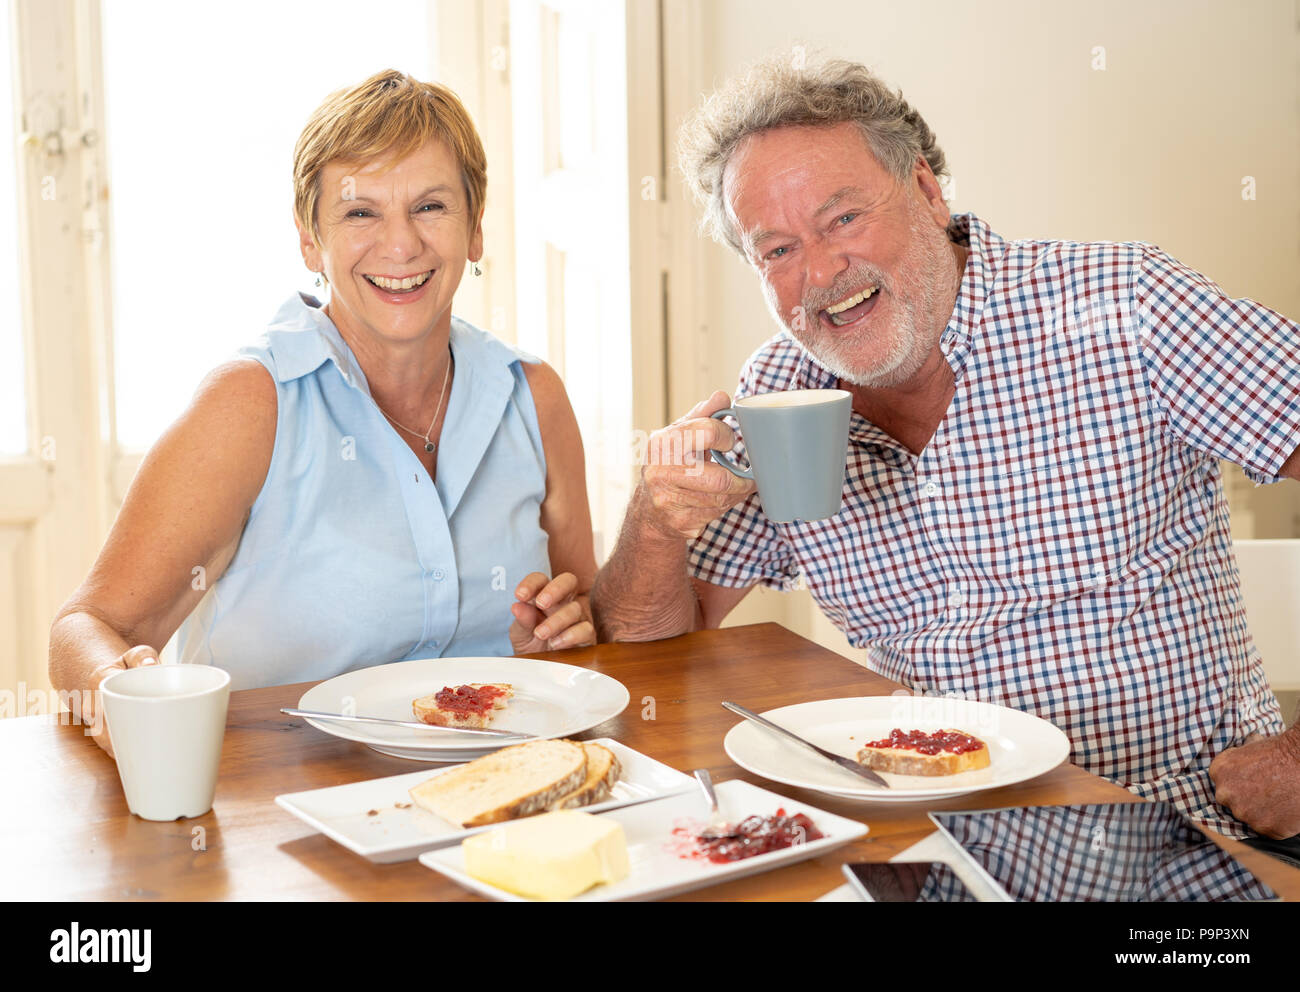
[401, 723]
[846, 763]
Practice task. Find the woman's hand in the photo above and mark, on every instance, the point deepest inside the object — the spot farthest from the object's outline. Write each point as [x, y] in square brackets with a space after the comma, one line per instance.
[93, 710]
[550, 615]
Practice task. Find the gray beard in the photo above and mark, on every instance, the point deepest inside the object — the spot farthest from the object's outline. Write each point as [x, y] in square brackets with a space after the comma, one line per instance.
[927, 280]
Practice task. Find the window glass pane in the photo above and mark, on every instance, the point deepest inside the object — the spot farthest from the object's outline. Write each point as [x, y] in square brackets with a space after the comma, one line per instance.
[200, 140]
[13, 395]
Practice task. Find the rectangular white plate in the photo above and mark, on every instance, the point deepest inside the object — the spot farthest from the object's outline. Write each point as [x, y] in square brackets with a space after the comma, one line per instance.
[373, 818]
[656, 870]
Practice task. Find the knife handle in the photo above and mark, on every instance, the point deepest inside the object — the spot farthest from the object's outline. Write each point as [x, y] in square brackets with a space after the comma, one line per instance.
[846, 763]
[342, 718]
[750, 715]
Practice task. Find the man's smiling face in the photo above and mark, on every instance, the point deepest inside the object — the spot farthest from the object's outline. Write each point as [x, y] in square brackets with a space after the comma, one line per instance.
[856, 265]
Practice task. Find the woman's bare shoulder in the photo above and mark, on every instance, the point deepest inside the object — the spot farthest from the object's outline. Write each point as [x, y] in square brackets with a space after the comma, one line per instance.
[225, 438]
[239, 382]
[238, 400]
[549, 395]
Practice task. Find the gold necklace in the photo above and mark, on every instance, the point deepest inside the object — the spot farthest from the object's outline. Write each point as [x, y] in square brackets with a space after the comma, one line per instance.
[428, 445]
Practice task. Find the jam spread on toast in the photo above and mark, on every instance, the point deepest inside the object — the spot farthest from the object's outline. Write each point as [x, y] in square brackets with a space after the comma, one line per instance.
[468, 698]
[952, 741]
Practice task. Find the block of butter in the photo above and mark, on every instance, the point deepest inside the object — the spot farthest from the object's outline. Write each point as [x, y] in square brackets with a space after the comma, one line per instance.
[552, 856]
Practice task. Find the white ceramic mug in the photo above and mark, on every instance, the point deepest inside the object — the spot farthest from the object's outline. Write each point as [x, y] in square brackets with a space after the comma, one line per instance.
[167, 723]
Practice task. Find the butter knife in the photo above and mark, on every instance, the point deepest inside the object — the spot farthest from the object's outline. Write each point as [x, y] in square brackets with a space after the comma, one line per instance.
[401, 723]
[846, 763]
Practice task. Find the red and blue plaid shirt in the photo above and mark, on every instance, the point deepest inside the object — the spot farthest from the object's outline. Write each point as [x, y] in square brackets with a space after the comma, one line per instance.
[1061, 546]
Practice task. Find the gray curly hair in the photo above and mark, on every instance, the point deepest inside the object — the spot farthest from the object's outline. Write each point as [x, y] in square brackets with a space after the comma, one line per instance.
[778, 93]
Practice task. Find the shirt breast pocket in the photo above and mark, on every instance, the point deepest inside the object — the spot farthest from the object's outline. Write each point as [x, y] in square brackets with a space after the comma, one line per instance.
[1043, 515]
[1071, 512]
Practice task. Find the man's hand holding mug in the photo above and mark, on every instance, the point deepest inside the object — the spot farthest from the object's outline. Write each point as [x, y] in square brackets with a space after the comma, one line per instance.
[682, 490]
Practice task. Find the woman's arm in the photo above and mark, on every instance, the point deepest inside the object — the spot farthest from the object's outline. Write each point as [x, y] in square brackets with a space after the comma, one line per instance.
[556, 613]
[176, 533]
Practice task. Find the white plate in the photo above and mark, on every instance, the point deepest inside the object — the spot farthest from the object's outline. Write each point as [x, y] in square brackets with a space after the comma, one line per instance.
[377, 820]
[656, 870]
[1021, 746]
[550, 700]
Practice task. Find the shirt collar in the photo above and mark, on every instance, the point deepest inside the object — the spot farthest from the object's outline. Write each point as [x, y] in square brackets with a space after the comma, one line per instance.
[303, 338]
[985, 249]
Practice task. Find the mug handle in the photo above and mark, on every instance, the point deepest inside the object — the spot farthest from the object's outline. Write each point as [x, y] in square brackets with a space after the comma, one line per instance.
[725, 458]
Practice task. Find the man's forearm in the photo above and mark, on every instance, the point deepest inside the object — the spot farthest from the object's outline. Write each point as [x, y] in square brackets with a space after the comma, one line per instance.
[643, 593]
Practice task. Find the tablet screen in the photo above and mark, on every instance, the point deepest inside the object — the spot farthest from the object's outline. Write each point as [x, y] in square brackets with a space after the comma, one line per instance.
[907, 881]
[1130, 852]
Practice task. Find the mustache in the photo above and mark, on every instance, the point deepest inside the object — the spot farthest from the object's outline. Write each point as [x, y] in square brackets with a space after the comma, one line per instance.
[816, 299]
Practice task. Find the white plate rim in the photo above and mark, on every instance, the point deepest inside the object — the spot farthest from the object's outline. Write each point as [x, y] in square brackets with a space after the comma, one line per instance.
[464, 749]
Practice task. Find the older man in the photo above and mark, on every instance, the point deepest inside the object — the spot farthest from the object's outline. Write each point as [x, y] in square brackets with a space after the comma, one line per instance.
[1033, 513]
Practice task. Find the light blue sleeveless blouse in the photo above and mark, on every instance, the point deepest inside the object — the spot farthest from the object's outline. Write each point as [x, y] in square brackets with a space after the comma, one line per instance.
[351, 556]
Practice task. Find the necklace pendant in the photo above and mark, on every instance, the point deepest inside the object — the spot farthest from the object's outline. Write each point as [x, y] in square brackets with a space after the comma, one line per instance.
[429, 446]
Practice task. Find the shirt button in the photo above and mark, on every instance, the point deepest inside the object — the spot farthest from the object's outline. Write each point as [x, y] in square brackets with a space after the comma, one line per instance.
[957, 599]
[931, 489]
[438, 574]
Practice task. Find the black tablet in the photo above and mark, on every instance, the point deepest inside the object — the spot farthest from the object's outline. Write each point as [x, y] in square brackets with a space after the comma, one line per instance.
[907, 881]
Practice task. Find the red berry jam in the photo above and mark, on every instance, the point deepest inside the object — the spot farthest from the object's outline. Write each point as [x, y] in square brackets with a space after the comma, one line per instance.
[952, 741]
[468, 698]
[752, 836]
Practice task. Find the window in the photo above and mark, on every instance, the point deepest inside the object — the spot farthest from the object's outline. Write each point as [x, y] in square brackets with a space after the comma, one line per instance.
[200, 145]
[13, 392]
[171, 239]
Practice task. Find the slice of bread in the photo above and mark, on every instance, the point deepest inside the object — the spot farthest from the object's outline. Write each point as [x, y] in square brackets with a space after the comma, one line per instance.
[909, 761]
[427, 709]
[603, 771]
[515, 781]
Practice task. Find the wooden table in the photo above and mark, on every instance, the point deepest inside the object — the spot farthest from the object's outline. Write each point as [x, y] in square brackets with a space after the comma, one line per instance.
[66, 833]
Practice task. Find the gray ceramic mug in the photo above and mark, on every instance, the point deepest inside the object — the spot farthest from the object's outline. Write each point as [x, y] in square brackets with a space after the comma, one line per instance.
[797, 443]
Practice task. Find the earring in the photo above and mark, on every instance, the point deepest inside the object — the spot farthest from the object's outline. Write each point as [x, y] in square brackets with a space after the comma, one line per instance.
[477, 270]
[318, 279]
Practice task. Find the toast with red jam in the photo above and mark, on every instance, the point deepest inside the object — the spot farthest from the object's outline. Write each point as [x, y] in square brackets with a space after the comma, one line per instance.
[472, 705]
[918, 752]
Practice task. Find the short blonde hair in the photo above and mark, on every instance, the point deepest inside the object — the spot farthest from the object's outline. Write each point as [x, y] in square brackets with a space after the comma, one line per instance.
[388, 114]
[778, 92]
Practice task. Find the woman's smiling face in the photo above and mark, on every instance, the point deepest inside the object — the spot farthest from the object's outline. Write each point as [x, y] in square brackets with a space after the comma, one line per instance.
[395, 237]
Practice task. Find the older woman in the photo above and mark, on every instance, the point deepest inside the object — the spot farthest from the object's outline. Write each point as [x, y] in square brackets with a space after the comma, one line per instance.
[374, 479]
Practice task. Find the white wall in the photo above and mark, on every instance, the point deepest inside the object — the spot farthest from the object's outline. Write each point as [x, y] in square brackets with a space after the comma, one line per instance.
[1194, 97]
